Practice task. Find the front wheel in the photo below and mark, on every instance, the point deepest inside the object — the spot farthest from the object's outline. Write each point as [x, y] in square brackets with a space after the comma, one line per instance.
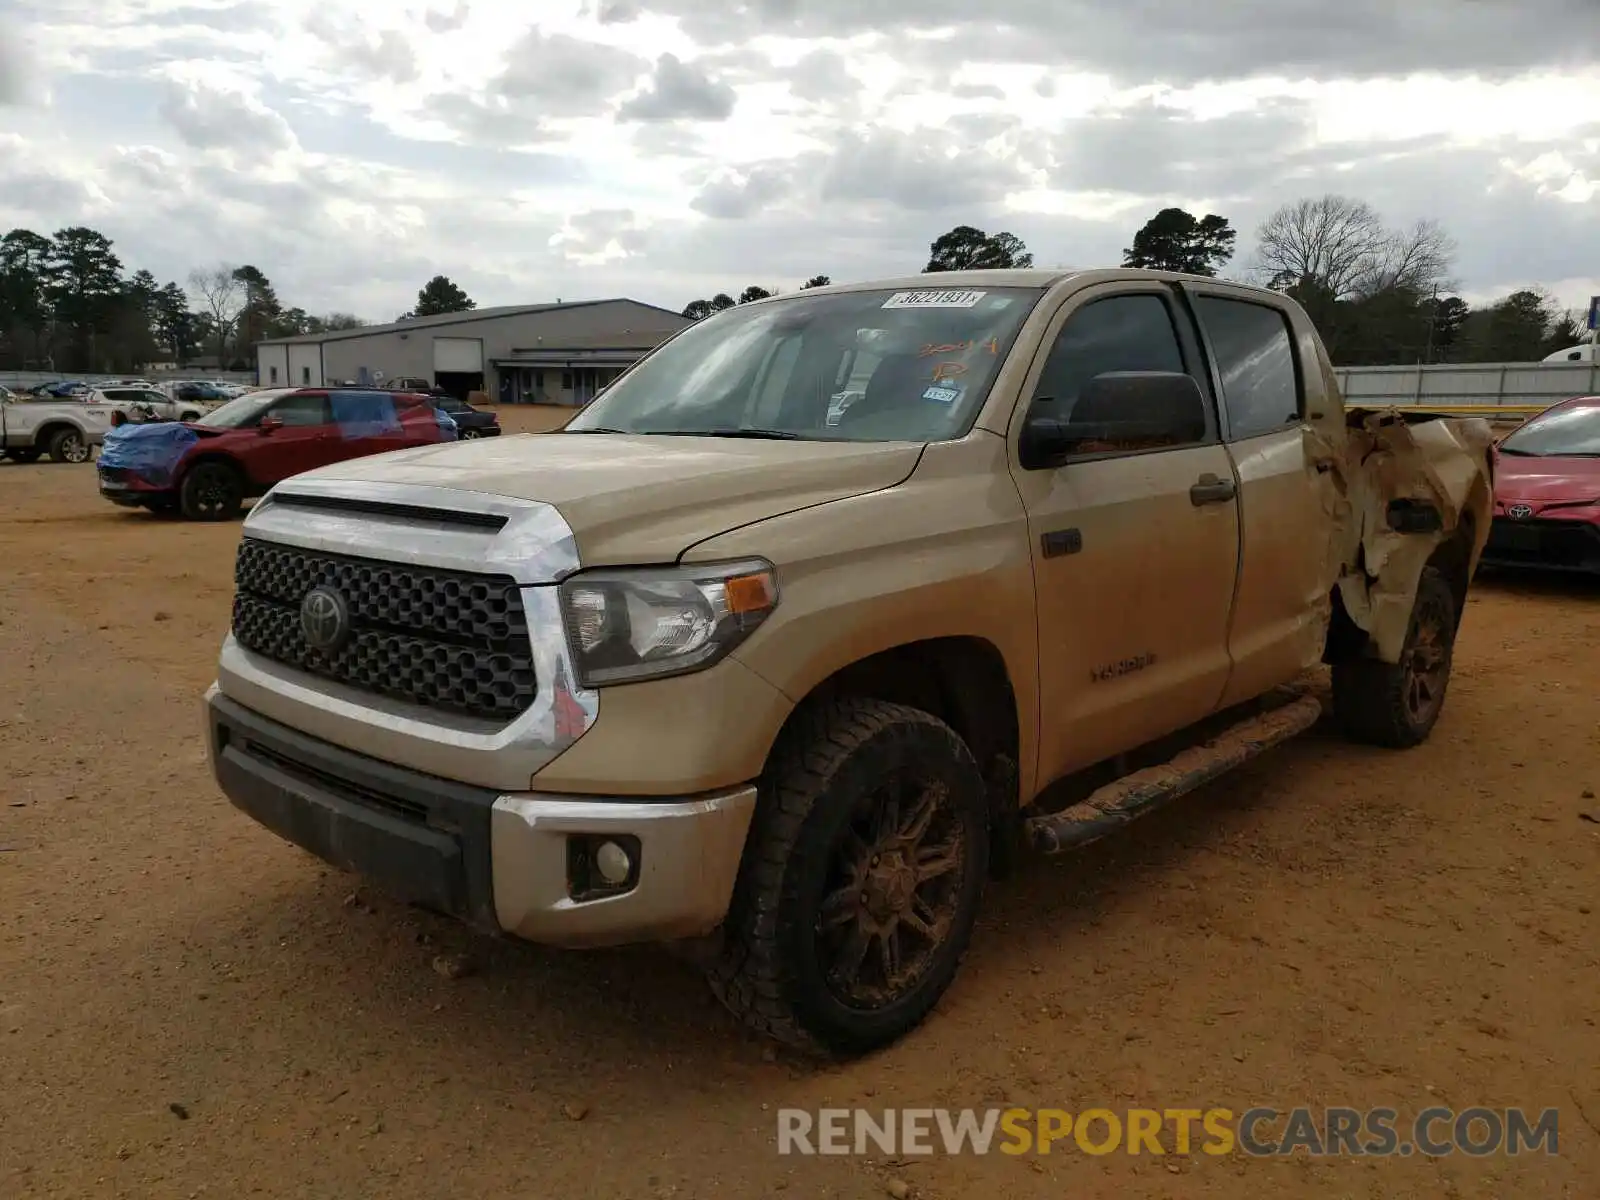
[1396, 705]
[212, 491]
[69, 446]
[862, 876]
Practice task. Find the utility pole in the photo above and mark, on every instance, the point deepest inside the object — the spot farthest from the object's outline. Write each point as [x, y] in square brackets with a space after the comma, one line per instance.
[1433, 320]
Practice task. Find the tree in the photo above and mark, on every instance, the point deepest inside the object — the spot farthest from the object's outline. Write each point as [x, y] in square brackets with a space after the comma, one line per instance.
[335, 321]
[224, 298]
[85, 282]
[1447, 314]
[1173, 240]
[258, 312]
[25, 317]
[754, 293]
[697, 310]
[1331, 244]
[1342, 247]
[439, 295]
[175, 324]
[1517, 329]
[815, 281]
[967, 248]
[1566, 329]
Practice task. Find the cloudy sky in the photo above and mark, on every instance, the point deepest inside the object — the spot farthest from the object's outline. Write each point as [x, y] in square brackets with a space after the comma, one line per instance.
[668, 149]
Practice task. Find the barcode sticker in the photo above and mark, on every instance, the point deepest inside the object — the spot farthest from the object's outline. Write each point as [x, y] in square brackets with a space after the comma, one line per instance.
[934, 299]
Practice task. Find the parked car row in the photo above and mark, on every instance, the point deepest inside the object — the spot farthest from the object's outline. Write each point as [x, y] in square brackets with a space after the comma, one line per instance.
[198, 390]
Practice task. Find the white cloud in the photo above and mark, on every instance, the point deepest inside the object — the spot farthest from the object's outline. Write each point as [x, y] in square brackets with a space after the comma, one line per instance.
[667, 149]
[213, 116]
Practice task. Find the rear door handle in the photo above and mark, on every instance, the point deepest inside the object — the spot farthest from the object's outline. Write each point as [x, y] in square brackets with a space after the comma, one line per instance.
[1211, 490]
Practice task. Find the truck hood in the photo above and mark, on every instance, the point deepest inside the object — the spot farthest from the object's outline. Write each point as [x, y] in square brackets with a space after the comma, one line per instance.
[642, 499]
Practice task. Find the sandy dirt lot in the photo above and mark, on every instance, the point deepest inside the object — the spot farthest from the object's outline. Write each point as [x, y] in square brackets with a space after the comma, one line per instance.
[190, 1007]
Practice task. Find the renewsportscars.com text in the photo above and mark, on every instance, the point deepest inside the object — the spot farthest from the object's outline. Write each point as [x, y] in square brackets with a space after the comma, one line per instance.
[1258, 1132]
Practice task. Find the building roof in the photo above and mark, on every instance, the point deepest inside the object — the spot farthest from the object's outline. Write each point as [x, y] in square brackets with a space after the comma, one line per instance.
[455, 318]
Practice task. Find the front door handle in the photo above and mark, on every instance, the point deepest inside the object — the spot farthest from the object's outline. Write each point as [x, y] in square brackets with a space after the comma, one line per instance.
[1211, 490]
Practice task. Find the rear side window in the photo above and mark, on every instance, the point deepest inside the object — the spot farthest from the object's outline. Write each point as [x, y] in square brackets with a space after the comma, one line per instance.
[1255, 359]
[302, 410]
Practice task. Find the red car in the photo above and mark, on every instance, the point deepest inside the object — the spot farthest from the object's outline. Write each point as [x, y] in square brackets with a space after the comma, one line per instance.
[207, 468]
[1547, 492]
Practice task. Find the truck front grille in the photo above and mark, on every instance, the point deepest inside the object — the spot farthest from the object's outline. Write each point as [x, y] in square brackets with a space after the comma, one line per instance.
[441, 639]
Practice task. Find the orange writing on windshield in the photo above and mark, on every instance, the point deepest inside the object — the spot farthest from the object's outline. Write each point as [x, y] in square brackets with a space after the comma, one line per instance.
[989, 344]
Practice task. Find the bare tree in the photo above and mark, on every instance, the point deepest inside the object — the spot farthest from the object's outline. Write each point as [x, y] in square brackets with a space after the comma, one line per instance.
[1332, 244]
[224, 297]
[1340, 248]
[1415, 260]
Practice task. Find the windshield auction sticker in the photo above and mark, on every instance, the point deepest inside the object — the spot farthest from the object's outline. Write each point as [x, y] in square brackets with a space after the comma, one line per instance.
[934, 299]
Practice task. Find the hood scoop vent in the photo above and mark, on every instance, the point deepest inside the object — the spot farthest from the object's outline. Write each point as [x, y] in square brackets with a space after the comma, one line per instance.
[389, 508]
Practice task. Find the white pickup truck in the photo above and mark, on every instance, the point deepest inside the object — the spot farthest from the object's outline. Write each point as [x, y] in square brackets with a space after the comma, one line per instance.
[172, 406]
[66, 430]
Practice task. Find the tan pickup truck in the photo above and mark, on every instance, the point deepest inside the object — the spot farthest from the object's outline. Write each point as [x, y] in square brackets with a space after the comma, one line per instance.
[788, 642]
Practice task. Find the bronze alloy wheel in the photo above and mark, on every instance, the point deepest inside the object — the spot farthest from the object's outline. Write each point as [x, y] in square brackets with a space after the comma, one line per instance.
[1426, 665]
[1397, 704]
[893, 891]
[862, 876]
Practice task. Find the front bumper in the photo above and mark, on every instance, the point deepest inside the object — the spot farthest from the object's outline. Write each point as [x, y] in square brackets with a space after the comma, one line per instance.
[1543, 544]
[122, 486]
[498, 861]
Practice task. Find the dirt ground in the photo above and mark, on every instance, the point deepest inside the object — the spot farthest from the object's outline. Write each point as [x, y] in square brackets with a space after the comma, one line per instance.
[190, 1007]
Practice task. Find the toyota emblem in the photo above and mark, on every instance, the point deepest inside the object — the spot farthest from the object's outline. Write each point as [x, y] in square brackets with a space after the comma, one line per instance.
[1520, 512]
[324, 619]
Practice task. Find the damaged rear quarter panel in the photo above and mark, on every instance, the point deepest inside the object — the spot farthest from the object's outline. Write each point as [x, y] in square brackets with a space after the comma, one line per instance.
[1375, 458]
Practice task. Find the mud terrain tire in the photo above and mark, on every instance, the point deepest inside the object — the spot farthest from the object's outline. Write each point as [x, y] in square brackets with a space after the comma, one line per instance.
[1396, 705]
[836, 861]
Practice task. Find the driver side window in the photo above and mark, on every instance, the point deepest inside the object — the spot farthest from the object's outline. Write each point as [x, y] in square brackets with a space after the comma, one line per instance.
[1116, 383]
[1119, 333]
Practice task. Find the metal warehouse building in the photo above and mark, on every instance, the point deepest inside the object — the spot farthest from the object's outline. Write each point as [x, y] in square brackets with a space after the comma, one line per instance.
[520, 354]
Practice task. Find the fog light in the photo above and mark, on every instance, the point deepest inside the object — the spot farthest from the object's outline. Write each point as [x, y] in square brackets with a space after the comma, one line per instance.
[613, 863]
[601, 865]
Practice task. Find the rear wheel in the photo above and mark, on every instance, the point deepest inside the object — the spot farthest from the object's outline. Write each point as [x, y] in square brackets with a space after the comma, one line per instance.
[1396, 705]
[212, 491]
[189, 416]
[861, 881]
[467, 435]
[69, 446]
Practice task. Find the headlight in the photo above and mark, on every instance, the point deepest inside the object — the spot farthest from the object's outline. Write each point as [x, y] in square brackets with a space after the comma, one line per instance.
[629, 625]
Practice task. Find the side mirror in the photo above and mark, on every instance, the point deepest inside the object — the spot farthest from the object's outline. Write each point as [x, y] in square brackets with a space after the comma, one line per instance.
[269, 424]
[1118, 411]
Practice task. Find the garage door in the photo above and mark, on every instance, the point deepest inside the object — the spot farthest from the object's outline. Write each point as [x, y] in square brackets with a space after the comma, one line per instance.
[457, 355]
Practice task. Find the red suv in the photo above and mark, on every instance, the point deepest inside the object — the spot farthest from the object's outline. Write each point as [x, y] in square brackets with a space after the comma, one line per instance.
[207, 468]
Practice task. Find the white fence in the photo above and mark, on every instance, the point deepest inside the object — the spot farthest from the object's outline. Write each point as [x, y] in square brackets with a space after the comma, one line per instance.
[21, 381]
[1467, 385]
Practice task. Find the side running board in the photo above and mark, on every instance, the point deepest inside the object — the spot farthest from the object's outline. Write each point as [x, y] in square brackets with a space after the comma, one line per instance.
[1114, 805]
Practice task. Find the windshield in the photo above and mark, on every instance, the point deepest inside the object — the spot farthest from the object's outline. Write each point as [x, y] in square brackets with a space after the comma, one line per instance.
[912, 365]
[236, 414]
[1571, 431]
